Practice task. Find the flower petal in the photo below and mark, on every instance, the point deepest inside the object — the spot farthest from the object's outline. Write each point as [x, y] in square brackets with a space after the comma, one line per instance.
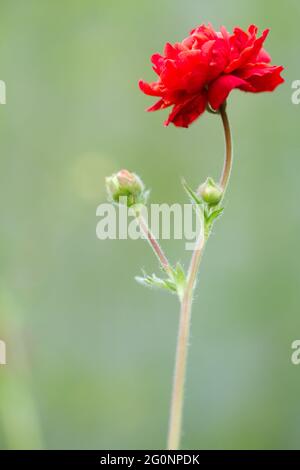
[263, 56]
[161, 104]
[188, 111]
[151, 89]
[262, 77]
[221, 87]
[246, 50]
[158, 62]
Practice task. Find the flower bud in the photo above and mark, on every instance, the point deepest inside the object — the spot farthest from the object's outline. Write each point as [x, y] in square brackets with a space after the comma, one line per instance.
[210, 192]
[125, 184]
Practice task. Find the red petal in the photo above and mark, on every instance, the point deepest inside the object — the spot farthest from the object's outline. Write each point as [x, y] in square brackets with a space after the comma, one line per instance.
[170, 51]
[263, 56]
[158, 63]
[258, 69]
[151, 89]
[252, 29]
[204, 33]
[221, 87]
[248, 52]
[263, 78]
[187, 112]
[161, 104]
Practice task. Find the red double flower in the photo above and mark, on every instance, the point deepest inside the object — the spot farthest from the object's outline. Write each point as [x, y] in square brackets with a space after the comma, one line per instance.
[204, 68]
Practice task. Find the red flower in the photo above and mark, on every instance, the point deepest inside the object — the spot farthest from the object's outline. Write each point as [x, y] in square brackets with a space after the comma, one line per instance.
[205, 67]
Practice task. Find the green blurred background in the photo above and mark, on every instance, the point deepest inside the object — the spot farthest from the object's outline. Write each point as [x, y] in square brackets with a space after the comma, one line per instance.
[90, 353]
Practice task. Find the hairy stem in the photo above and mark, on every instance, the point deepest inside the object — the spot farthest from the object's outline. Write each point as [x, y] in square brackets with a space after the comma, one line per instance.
[182, 346]
[175, 423]
[154, 244]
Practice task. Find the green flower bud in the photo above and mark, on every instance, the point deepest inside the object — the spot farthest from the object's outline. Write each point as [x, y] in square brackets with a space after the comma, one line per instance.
[125, 184]
[210, 192]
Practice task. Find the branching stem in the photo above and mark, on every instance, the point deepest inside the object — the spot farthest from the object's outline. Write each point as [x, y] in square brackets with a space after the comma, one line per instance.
[175, 424]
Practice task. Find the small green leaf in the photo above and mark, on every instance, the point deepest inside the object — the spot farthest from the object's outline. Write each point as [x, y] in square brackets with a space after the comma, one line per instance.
[156, 282]
[179, 274]
[192, 195]
[179, 279]
[209, 220]
[214, 215]
[196, 202]
[175, 283]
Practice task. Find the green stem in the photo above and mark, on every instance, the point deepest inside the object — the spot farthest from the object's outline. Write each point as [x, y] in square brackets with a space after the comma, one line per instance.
[182, 346]
[186, 309]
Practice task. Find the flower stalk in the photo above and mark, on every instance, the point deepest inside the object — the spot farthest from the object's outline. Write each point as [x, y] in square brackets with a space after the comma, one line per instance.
[228, 145]
[175, 423]
[127, 188]
[182, 348]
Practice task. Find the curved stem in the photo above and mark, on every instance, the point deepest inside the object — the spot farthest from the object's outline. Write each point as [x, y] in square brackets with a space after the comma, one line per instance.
[228, 154]
[186, 309]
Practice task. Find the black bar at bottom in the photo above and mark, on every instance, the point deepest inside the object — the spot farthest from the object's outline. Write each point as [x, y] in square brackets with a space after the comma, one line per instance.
[144, 458]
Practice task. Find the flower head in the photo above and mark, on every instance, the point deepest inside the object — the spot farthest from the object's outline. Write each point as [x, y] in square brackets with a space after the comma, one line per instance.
[205, 67]
[126, 185]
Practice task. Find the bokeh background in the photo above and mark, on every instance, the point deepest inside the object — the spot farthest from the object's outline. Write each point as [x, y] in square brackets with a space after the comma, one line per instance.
[90, 353]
